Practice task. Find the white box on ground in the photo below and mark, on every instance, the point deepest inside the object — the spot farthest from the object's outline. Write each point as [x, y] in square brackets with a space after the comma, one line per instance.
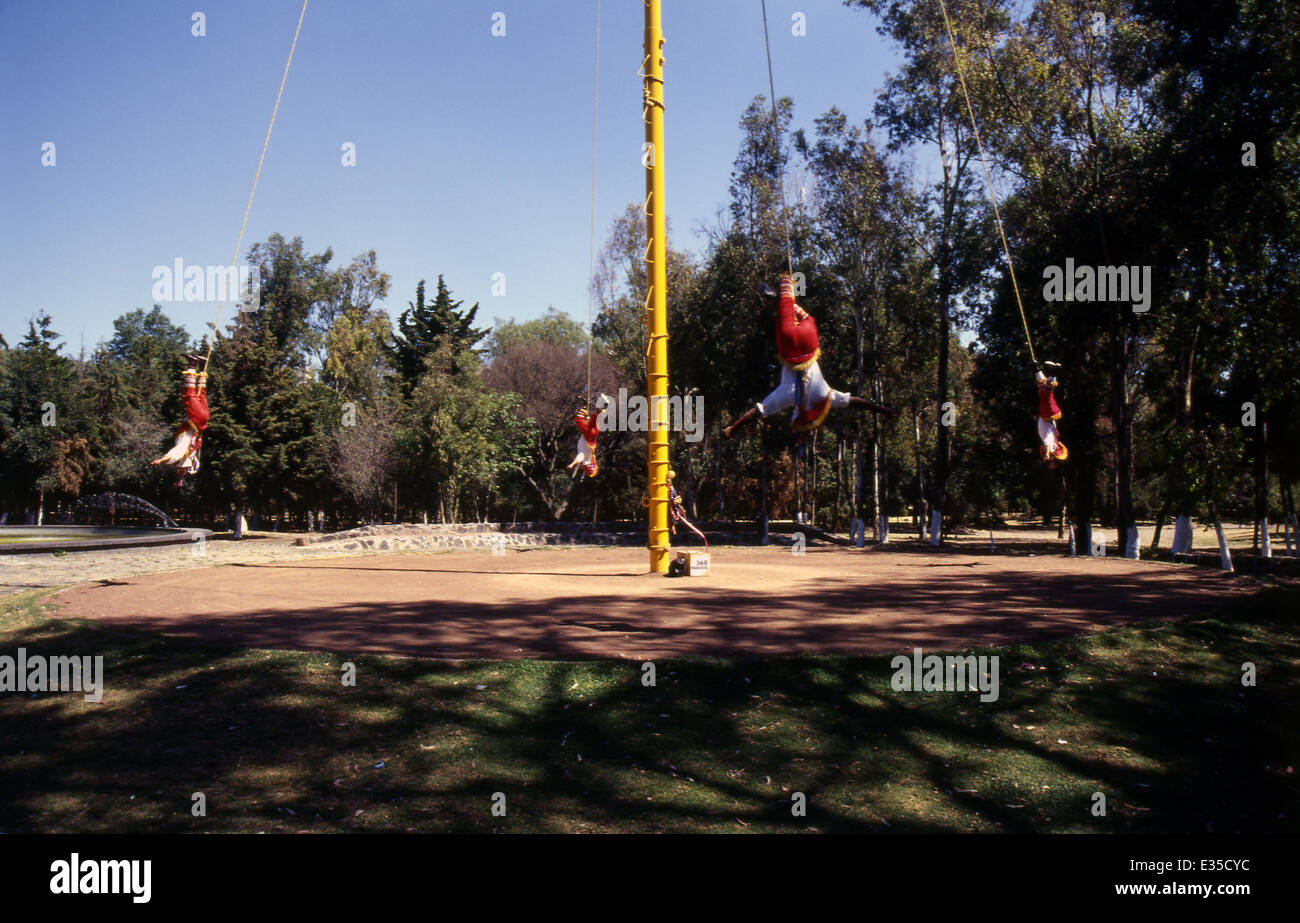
[694, 563]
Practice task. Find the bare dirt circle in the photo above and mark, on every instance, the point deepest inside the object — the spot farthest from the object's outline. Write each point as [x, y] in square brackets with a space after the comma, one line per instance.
[580, 603]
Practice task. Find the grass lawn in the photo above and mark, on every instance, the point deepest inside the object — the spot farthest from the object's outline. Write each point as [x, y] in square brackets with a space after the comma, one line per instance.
[1154, 716]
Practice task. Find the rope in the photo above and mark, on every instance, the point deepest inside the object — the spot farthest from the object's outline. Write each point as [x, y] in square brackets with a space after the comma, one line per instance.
[776, 144]
[800, 457]
[591, 243]
[248, 207]
[988, 181]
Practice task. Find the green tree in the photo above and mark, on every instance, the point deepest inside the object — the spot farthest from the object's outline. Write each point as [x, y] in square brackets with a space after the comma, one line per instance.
[132, 386]
[863, 217]
[40, 412]
[555, 326]
[465, 438]
[922, 106]
[266, 443]
[425, 325]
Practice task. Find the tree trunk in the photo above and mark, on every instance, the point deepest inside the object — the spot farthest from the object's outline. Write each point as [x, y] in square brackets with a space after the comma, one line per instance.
[1225, 555]
[689, 486]
[1082, 531]
[879, 475]
[1182, 534]
[939, 490]
[717, 473]
[762, 513]
[882, 466]
[839, 478]
[1160, 524]
[920, 479]
[1122, 415]
[857, 513]
[810, 478]
[1261, 484]
[1288, 517]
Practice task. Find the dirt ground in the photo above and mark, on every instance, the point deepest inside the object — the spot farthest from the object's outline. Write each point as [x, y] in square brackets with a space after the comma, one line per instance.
[588, 602]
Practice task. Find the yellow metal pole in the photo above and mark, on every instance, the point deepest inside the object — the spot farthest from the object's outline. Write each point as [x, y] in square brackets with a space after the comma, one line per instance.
[652, 70]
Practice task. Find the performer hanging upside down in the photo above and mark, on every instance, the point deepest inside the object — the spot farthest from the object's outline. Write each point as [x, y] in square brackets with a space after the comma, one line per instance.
[589, 428]
[802, 386]
[189, 438]
[1052, 450]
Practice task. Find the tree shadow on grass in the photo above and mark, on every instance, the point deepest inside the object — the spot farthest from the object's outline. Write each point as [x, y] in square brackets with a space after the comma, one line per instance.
[276, 742]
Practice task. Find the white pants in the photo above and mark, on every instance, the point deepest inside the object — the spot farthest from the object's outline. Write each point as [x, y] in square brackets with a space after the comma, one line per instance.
[586, 454]
[1047, 432]
[181, 455]
[815, 391]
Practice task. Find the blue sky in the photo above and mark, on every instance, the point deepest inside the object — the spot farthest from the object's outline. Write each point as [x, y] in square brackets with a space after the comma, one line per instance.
[473, 151]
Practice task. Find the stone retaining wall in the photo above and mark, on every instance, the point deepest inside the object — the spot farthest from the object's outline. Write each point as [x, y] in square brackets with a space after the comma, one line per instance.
[492, 535]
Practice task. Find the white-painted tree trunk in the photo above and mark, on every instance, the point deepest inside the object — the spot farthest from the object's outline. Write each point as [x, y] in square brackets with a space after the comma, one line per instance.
[882, 529]
[1265, 545]
[40, 509]
[1182, 534]
[1225, 556]
[240, 524]
[936, 526]
[1131, 550]
[1073, 550]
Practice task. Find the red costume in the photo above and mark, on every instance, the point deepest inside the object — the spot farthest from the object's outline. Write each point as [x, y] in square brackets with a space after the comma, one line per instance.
[802, 388]
[589, 426]
[796, 331]
[802, 385]
[1048, 409]
[1052, 450]
[189, 437]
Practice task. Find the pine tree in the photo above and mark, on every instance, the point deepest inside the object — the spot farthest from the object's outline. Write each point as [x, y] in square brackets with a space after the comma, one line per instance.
[40, 406]
[424, 325]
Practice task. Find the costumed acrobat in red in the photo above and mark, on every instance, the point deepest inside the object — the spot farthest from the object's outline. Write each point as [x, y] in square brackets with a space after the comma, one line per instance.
[589, 430]
[189, 437]
[801, 383]
[1052, 450]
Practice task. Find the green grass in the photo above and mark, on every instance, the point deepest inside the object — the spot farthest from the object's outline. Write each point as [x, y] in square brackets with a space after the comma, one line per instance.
[1154, 716]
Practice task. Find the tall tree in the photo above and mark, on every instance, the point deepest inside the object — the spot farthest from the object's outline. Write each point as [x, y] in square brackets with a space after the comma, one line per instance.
[41, 412]
[922, 106]
[550, 380]
[863, 217]
[266, 441]
[426, 324]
